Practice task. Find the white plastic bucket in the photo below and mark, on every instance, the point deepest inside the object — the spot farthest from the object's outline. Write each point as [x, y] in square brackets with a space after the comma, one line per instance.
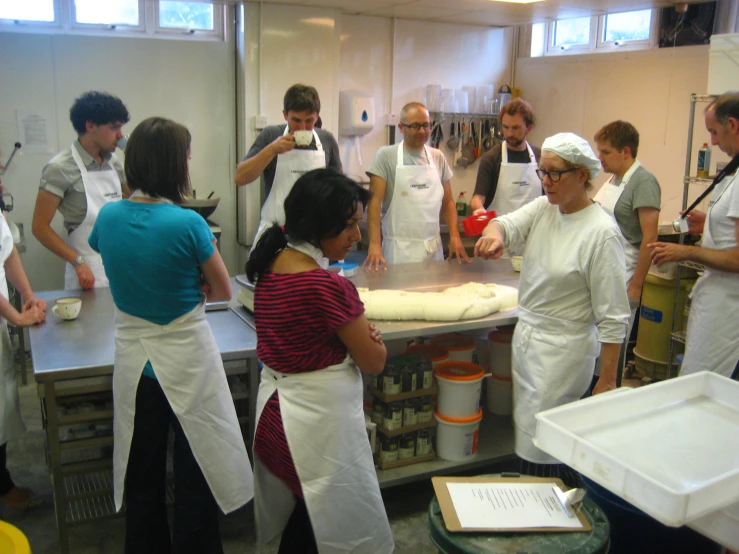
[500, 395]
[456, 438]
[499, 347]
[460, 386]
[460, 346]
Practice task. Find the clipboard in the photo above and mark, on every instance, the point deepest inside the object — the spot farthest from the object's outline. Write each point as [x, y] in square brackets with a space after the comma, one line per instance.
[449, 514]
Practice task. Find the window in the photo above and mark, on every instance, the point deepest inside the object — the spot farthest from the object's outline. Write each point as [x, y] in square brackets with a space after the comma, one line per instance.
[195, 20]
[627, 26]
[110, 12]
[628, 30]
[572, 32]
[28, 10]
[186, 15]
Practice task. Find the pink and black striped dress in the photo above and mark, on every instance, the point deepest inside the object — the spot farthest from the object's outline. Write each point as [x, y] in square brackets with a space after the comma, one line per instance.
[296, 316]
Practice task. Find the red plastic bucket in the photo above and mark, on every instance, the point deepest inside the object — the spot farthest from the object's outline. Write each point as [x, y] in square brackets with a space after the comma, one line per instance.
[474, 225]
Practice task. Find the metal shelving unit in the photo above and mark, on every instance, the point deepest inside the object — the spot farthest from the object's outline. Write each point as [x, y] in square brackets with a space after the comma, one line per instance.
[677, 336]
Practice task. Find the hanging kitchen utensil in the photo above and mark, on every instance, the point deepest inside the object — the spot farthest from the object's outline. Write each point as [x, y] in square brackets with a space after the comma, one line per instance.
[467, 155]
[487, 141]
[458, 151]
[453, 141]
[475, 147]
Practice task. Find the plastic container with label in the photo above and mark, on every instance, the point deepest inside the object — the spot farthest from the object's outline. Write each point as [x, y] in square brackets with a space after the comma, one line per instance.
[460, 346]
[456, 438]
[460, 385]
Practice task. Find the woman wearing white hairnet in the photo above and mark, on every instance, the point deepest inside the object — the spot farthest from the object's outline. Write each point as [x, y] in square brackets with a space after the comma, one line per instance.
[572, 290]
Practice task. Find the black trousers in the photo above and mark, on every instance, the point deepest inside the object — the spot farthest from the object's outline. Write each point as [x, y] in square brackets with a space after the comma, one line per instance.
[6, 483]
[196, 528]
[297, 537]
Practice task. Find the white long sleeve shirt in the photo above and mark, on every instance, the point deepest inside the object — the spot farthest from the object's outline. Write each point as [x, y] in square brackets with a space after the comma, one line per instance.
[573, 266]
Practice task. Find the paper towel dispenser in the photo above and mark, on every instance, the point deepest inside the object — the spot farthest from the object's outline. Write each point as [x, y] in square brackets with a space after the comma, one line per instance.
[356, 113]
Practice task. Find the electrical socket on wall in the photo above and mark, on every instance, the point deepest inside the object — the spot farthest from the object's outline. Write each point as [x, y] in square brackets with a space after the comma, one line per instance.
[260, 121]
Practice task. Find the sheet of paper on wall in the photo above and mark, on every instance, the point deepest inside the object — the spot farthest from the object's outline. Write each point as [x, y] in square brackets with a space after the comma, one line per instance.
[36, 132]
[509, 505]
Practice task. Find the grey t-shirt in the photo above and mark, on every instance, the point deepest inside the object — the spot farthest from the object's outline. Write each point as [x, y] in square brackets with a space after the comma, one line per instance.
[61, 177]
[386, 161]
[642, 191]
[270, 133]
[489, 169]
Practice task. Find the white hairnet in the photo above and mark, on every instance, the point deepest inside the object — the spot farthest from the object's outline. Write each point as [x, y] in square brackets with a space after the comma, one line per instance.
[574, 149]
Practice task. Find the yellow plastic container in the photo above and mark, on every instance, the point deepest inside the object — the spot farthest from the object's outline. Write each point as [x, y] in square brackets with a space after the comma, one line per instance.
[12, 541]
[655, 317]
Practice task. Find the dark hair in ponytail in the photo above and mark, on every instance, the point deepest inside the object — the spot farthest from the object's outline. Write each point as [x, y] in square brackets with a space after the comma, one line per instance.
[318, 207]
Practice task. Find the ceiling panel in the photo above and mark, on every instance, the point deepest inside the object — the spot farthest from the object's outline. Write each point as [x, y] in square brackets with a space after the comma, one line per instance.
[416, 12]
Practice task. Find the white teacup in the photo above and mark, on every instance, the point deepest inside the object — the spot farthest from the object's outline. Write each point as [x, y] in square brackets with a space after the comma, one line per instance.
[303, 138]
[67, 308]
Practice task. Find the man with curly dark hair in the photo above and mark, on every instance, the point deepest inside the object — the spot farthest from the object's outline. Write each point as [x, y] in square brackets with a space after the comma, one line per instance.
[80, 180]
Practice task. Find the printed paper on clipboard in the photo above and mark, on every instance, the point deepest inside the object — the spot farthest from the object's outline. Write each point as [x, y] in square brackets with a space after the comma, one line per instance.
[475, 504]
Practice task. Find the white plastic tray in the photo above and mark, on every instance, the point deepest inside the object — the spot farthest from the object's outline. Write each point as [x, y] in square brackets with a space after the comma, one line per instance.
[670, 449]
[721, 526]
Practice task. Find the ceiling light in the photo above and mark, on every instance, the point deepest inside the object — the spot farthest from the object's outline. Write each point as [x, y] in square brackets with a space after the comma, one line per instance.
[518, 1]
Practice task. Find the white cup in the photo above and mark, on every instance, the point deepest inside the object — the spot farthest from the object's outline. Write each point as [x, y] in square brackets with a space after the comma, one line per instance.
[67, 308]
[303, 138]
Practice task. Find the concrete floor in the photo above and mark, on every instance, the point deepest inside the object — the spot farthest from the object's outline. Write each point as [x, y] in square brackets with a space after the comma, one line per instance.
[406, 505]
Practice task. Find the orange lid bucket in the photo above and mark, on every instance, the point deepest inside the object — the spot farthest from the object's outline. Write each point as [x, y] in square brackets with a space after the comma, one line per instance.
[471, 419]
[433, 352]
[459, 371]
[454, 341]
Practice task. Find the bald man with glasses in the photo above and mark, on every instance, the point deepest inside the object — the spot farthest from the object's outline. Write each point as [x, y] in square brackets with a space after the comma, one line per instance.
[411, 185]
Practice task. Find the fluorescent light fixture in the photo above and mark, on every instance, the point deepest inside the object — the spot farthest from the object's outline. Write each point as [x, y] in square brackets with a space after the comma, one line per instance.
[322, 21]
[518, 1]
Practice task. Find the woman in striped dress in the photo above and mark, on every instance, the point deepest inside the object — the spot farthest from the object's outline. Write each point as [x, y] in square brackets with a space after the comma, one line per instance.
[315, 480]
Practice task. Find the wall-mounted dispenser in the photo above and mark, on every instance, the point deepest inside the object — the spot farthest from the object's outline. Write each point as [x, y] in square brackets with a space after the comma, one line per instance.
[356, 113]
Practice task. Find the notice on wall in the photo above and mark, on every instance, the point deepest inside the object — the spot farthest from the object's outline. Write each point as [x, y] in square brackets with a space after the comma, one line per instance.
[35, 132]
[509, 505]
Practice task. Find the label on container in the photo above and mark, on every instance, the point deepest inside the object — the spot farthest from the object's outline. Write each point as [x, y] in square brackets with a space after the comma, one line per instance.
[428, 379]
[393, 419]
[470, 443]
[423, 445]
[391, 384]
[650, 314]
[409, 415]
[389, 455]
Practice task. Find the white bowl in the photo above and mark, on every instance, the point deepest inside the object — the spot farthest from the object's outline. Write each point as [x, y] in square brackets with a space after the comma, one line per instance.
[516, 262]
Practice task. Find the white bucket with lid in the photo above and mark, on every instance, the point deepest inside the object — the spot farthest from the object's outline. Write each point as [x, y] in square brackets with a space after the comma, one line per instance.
[499, 395]
[460, 386]
[460, 346]
[456, 438]
[499, 348]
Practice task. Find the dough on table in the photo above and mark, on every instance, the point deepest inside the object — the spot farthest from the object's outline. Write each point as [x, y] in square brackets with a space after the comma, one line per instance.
[470, 301]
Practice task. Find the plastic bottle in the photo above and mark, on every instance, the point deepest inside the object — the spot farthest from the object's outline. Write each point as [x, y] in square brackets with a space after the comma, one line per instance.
[704, 161]
[461, 205]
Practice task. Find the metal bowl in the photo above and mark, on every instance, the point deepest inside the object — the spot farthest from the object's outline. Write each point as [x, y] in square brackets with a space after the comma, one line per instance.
[204, 206]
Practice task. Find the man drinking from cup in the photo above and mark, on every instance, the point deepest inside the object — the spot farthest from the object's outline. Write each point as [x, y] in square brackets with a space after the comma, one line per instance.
[282, 153]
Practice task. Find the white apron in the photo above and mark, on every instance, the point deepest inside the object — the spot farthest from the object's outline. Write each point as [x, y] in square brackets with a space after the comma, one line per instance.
[410, 228]
[607, 197]
[290, 167]
[552, 365]
[101, 187]
[713, 324]
[518, 184]
[11, 423]
[323, 416]
[187, 364]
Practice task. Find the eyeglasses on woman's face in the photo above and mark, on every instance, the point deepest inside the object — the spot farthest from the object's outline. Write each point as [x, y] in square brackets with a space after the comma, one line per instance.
[555, 174]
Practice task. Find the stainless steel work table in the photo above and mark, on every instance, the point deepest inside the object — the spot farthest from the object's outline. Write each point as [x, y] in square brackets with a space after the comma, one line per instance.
[73, 365]
[496, 432]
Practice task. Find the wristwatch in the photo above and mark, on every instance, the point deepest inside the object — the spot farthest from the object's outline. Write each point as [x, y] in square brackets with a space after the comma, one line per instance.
[78, 260]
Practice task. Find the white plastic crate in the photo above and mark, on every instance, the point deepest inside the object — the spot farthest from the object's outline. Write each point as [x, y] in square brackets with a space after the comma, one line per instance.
[670, 449]
[721, 526]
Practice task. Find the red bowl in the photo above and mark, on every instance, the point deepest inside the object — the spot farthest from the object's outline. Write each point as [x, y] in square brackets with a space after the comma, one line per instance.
[474, 225]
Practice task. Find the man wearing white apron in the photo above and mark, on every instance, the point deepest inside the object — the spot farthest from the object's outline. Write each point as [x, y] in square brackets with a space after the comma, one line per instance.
[713, 324]
[632, 197]
[78, 182]
[506, 178]
[411, 185]
[275, 156]
[33, 312]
